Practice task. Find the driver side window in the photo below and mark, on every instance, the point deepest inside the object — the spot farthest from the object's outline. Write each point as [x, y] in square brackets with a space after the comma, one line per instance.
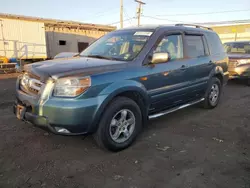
[171, 44]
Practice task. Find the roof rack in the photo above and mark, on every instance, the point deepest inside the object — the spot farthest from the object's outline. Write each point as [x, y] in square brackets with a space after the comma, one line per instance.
[196, 26]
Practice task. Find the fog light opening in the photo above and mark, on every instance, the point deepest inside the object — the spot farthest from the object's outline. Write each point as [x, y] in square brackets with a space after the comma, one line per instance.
[61, 130]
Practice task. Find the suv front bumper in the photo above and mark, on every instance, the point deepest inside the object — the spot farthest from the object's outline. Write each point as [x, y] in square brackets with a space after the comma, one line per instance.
[76, 116]
[36, 120]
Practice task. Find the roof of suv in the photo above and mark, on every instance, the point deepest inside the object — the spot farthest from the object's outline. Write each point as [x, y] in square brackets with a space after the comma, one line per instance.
[178, 26]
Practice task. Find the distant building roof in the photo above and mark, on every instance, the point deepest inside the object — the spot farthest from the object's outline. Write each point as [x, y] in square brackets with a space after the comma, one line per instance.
[173, 27]
[226, 23]
[60, 23]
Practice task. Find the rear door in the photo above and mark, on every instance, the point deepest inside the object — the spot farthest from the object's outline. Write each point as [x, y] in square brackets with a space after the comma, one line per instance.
[199, 64]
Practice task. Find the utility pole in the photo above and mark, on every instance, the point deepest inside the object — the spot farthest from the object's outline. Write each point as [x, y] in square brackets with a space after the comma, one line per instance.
[121, 13]
[139, 11]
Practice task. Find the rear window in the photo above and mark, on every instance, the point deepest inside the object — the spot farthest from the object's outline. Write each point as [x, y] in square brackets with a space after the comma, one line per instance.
[195, 47]
[237, 47]
[214, 43]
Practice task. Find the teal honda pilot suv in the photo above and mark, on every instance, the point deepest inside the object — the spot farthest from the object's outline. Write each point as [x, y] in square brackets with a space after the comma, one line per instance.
[123, 79]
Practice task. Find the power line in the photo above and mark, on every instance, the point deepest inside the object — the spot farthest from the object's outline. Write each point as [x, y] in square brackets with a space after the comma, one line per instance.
[225, 22]
[102, 12]
[123, 21]
[202, 23]
[204, 13]
[161, 19]
[101, 15]
[126, 14]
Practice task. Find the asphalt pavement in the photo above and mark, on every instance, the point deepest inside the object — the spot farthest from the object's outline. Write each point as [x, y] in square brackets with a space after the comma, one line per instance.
[191, 148]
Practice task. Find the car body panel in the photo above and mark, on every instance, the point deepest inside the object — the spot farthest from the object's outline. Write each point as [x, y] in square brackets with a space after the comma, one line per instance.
[66, 55]
[236, 70]
[198, 72]
[78, 65]
[163, 83]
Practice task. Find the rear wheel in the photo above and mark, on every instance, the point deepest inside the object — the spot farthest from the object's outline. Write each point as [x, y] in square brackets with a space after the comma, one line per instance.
[119, 125]
[213, 93]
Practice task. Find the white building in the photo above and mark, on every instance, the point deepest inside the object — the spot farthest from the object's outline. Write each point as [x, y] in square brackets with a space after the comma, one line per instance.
[25, 37]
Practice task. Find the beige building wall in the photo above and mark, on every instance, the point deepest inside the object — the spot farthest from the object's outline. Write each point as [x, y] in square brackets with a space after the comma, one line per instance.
[233, 32]
[22, 39]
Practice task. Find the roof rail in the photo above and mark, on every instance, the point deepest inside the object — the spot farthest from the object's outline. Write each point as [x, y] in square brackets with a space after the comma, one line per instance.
[193, 25]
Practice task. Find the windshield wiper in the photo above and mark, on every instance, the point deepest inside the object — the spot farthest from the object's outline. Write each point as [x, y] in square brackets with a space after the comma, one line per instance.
[102, 57]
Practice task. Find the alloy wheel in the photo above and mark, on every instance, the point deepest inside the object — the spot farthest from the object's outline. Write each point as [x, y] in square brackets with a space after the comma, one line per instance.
[122, 126]
[214, 94]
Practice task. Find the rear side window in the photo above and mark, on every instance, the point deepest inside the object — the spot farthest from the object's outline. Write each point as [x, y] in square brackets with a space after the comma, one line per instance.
[214, 43]
[194, 46]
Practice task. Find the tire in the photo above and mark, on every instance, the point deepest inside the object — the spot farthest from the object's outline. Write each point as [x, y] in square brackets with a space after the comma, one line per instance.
[106, 132]
[208, 102]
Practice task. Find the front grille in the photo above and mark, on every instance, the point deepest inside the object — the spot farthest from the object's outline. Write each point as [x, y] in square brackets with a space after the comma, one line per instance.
[32, 84]
[33, 76]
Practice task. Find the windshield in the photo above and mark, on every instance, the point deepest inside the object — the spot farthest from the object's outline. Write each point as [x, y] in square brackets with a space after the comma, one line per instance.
[123, 45]
[238, 47]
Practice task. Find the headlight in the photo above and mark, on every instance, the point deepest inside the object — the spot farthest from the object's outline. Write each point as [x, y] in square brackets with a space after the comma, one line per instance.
[71, 87]
[243, 61]
[24, 79]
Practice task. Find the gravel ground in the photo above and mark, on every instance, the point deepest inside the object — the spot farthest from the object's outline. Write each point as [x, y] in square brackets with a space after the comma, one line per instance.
[191, 148]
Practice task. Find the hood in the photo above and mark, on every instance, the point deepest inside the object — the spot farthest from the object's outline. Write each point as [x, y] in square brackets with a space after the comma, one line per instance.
[238, 56]
[70, 66]
[66, 55]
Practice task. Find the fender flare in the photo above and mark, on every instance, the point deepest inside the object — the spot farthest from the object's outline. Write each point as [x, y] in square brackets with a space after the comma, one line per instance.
[115, 90]
[217, 70]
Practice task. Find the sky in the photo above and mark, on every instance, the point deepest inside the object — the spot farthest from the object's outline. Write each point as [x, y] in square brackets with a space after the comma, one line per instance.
[154, 12]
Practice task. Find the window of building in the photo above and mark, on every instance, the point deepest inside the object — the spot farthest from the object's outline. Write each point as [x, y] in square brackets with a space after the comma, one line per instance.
[62, 42]
[195, 47]
[171, 44]
[82, 46]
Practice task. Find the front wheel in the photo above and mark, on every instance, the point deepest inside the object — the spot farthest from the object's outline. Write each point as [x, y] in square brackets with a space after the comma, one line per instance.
[119, 125]
[213, 93]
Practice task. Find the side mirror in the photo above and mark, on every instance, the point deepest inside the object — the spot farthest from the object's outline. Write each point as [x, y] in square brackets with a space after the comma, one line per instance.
[160, 58]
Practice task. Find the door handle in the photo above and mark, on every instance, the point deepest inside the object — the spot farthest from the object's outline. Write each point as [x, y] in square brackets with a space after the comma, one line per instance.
[183, 67]
[210, 62]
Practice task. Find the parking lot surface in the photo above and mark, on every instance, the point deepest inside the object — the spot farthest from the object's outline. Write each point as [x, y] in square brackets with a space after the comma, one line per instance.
[191, 148]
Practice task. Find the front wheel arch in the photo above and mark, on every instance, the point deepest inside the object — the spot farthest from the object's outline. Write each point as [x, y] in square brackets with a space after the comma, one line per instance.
[218, 73]
[135, 94]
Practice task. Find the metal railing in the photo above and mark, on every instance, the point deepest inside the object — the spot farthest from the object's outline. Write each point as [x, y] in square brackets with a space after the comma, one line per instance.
[21, 51]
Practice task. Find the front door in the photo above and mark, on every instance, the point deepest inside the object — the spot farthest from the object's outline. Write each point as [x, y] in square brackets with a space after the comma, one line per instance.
[166, 82]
